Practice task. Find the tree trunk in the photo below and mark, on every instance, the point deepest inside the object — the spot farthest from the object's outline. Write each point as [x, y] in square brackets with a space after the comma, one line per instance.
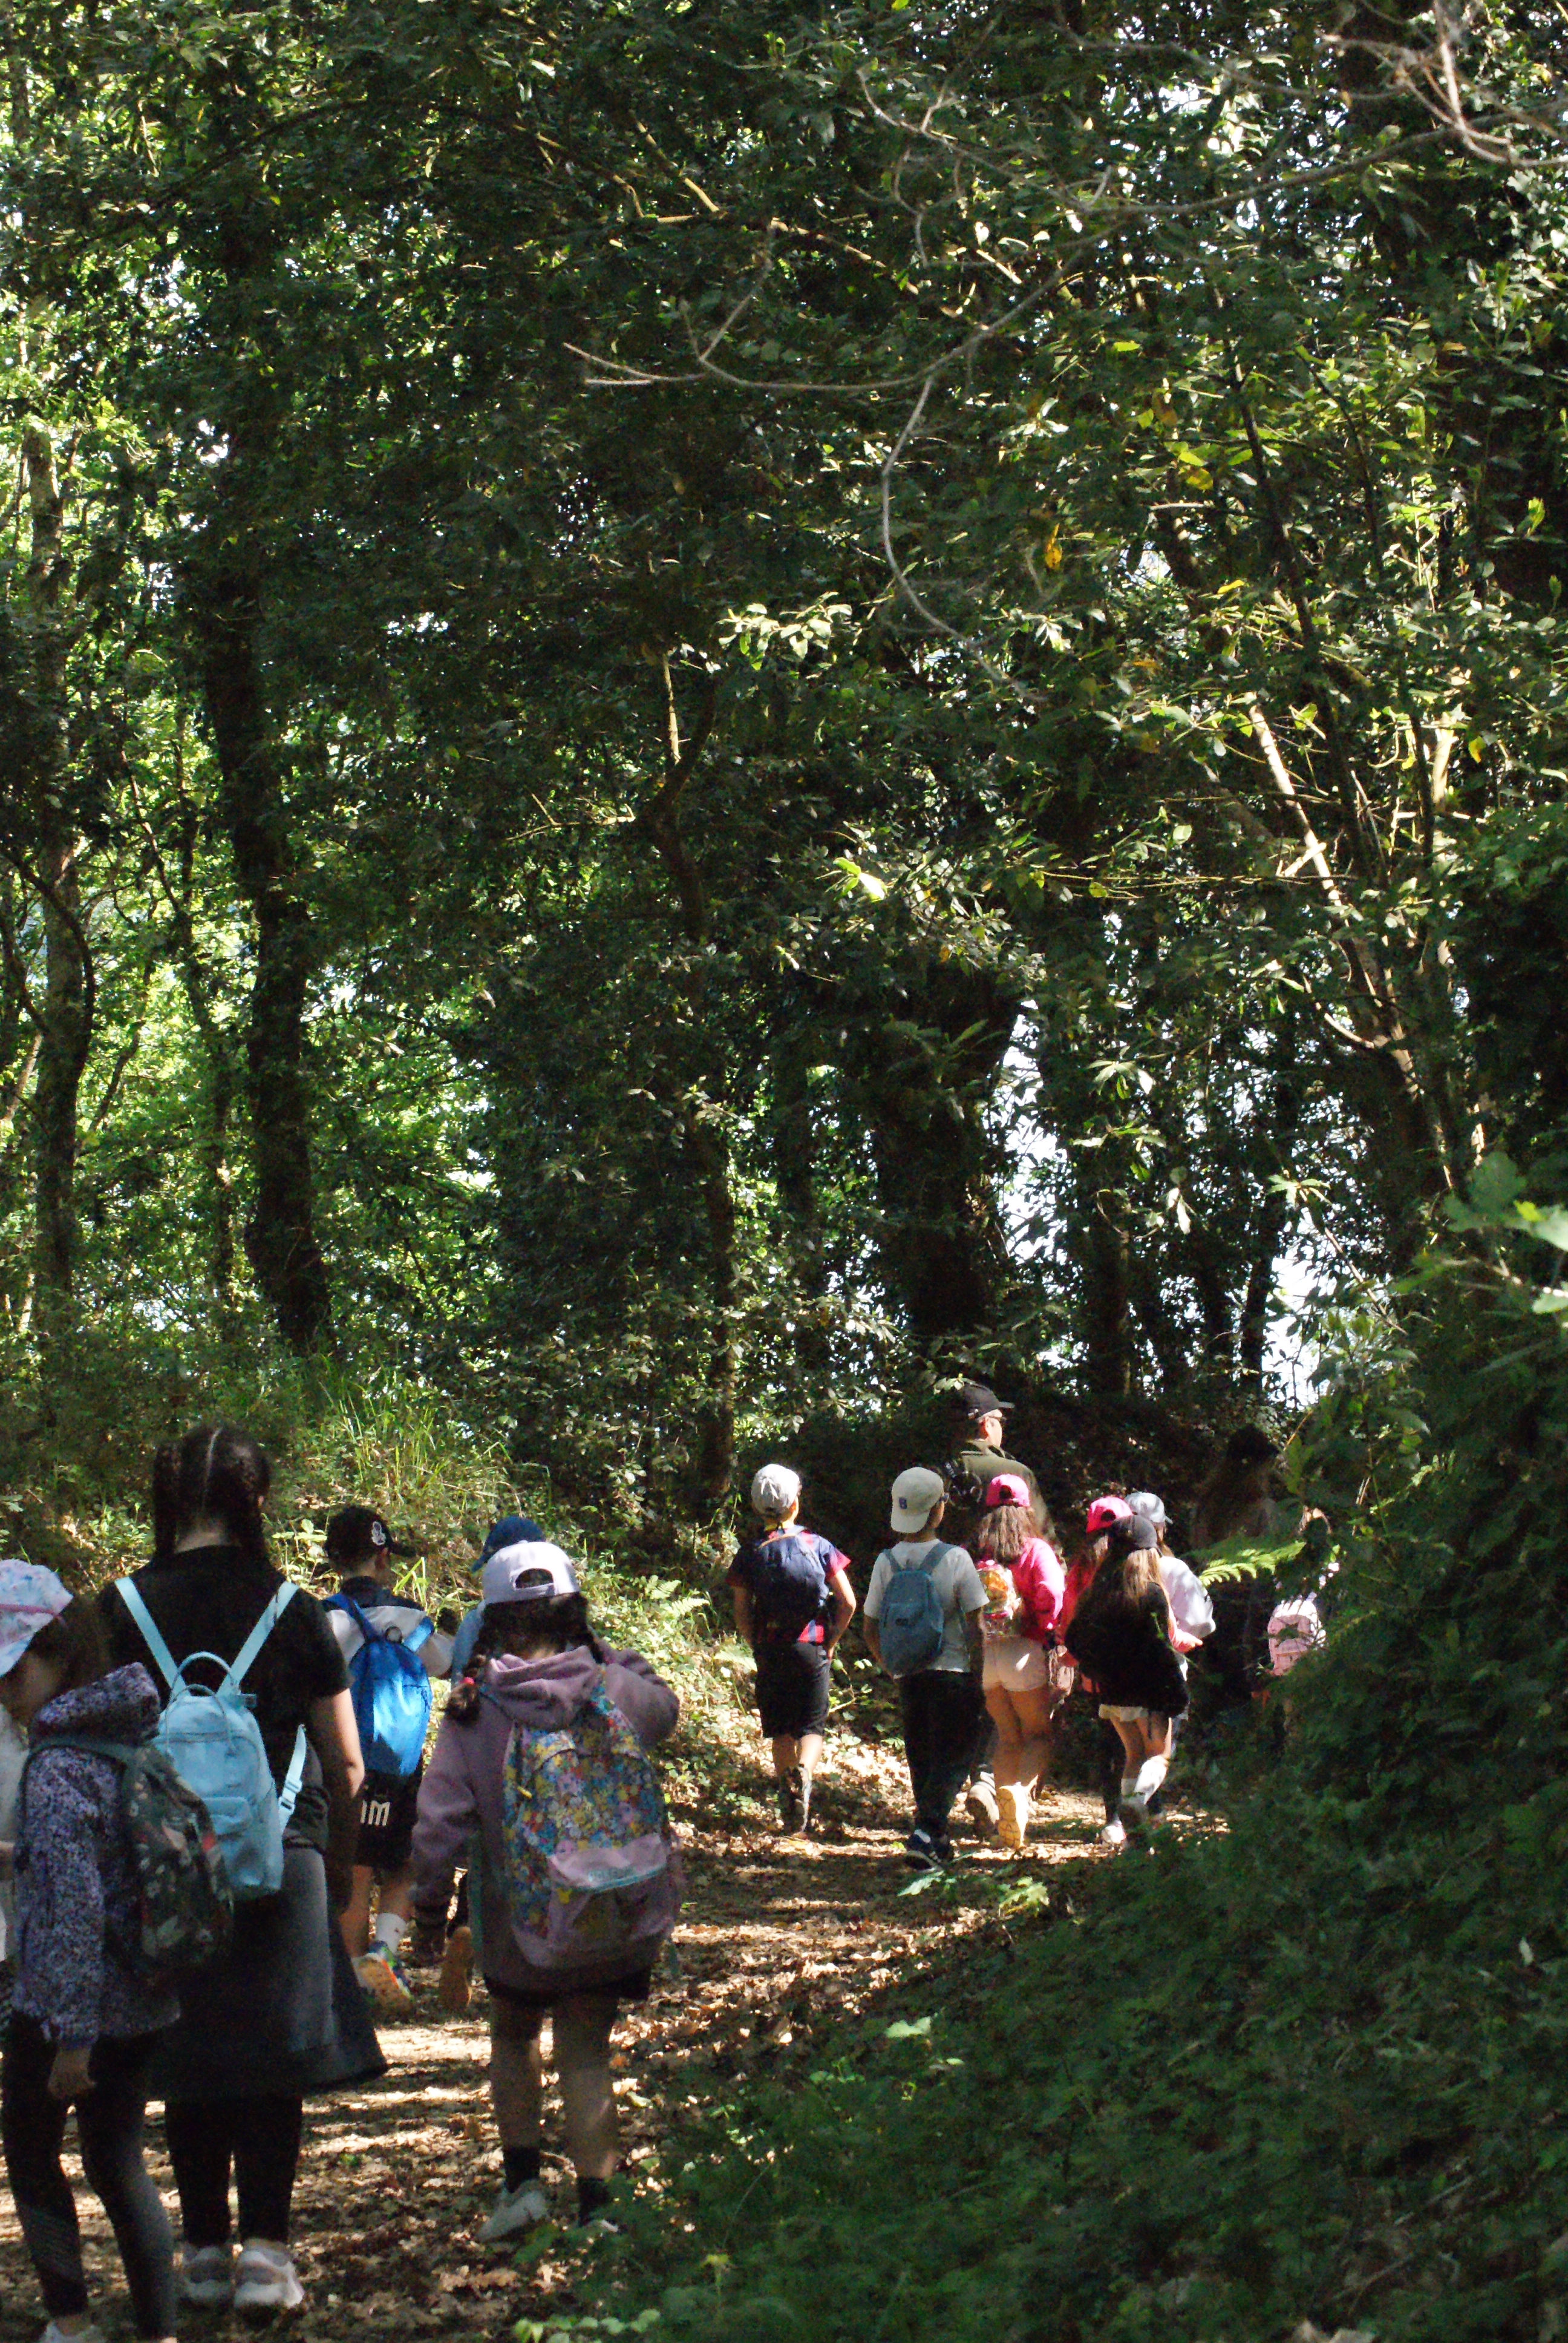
[66, 1013]
[280, 1237]
[793, 1169]
[707, 1145]
[925, 1084]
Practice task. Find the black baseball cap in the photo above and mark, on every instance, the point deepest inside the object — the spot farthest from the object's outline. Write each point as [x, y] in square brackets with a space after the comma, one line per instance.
[357, 1531]
[975, 1400]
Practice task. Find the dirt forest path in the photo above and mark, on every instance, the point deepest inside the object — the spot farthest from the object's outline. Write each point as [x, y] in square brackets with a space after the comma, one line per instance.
[397, 2179]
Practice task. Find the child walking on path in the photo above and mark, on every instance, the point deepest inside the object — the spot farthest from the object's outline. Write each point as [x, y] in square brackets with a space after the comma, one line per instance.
[280, 2015]
[361, 1547]
[1024, 1582]
[83, 2023]
[793, 1601]
[923, 1609]
[1121, 1634]
[542, 1691]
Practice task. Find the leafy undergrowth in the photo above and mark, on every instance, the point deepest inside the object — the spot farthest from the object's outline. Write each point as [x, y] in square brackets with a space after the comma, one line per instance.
[1215, 2088]
[1312, 2068]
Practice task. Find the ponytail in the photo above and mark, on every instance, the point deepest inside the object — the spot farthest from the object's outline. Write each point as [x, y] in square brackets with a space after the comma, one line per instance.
[216, 1472]
[560, 1625]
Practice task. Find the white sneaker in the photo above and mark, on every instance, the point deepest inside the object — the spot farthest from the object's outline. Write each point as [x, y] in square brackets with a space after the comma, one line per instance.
[516, 2209]
[267, 2280]
[1114, 1833]
[57, 2334]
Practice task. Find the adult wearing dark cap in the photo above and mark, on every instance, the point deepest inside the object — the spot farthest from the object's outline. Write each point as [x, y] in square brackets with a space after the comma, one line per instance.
[980, 1421]
[362, 1549]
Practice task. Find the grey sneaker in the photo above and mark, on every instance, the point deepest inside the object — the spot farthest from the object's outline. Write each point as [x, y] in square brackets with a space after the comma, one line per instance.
[979, 1804]
[516, 2209]
[267, 2281]
[206, 2276]
[792, 1801]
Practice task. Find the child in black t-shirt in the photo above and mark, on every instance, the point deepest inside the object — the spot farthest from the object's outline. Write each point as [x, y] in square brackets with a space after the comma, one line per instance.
[361, 1547]
[792, 1602]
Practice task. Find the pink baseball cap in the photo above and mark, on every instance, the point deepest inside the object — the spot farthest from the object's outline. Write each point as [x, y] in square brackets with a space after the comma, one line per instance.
[30, 1596]
[1006, 1489]
[1103, 1512]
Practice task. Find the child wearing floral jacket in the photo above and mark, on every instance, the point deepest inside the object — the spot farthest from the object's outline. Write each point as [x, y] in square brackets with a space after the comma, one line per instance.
[535, 1663]
[83, 2024]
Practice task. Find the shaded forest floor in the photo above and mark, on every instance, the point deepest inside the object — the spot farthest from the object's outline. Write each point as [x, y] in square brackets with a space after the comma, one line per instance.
[778, 1937]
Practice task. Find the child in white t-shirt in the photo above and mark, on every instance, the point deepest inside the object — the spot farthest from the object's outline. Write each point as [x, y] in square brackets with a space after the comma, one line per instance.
[939, 1695]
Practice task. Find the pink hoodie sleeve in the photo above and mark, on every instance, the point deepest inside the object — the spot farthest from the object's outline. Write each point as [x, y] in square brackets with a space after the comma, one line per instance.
[643, 1698]
[448, 1813]
[1041, 1580]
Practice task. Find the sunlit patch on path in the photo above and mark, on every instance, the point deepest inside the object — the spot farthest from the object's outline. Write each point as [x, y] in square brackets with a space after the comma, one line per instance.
[778, 1934]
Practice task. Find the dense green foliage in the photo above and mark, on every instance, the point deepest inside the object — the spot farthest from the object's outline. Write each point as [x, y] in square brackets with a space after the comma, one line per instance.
[1308, 2067]
[702, 708]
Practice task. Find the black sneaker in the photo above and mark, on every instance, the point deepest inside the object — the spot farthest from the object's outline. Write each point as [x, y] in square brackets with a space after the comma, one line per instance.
[920, 1851]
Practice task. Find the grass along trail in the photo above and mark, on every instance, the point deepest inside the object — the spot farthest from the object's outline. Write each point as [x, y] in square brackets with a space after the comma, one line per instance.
[777, 1936]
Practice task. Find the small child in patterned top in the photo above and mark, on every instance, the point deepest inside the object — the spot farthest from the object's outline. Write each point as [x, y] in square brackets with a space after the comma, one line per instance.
[84, 2022]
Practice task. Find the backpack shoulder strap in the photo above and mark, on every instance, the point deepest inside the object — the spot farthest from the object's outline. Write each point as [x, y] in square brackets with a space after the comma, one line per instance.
[244, 1659]
[350, 1610]
[118, 1752]
[289, 1795]
[130, 1595]
[418, 1635]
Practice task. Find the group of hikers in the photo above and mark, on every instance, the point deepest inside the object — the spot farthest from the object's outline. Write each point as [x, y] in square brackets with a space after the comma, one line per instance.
[986, 1633]
[222, 1847]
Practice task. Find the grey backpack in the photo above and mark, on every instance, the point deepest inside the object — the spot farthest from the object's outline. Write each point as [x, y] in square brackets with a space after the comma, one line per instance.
[911, 1621]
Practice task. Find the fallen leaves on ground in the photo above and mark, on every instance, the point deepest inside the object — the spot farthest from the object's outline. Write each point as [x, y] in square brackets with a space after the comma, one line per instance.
[778, 1937]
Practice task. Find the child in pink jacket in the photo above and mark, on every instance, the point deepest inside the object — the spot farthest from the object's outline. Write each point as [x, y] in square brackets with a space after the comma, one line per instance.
[535, 1663]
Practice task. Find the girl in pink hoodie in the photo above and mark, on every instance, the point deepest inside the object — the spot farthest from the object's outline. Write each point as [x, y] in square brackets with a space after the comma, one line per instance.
[536, 1668]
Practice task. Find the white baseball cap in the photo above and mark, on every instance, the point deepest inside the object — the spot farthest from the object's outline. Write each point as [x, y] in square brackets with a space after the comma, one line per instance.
[774, 1490]
[533, 1571]
[1145, 1502]
[30, 1596]
[916, 1495]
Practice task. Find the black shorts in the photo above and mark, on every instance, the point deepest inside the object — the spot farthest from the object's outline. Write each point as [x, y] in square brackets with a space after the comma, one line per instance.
[792, 1680]
[387, 1810]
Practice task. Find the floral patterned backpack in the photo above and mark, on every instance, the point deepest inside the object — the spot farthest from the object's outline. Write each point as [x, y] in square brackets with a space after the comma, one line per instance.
[590, 1874]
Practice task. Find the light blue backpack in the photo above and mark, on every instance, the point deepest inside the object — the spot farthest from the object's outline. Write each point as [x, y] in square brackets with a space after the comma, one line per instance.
[911, 1626]
[214, 1744]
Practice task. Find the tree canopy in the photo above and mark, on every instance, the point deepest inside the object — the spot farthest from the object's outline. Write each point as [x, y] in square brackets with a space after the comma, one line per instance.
[704, 711]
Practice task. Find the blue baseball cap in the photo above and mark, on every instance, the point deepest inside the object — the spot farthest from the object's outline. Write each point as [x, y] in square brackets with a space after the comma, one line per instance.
[512, 1529]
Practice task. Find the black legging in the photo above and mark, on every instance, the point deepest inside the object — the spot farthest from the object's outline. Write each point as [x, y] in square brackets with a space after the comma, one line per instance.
[259, 2138]
[109, 2119]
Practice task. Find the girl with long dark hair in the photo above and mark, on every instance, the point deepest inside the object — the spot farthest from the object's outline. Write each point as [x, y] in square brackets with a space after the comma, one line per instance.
[280, 2015]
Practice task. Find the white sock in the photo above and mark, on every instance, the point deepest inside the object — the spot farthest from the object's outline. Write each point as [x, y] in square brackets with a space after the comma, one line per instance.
[1150, 1774]
[390, 1931]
